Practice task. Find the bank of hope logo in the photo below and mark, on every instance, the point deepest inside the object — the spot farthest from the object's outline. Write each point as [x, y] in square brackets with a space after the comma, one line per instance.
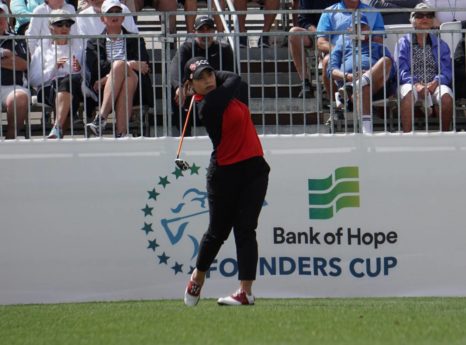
[176, 211]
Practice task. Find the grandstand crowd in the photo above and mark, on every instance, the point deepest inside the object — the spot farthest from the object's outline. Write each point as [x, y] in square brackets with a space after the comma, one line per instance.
[91, 54]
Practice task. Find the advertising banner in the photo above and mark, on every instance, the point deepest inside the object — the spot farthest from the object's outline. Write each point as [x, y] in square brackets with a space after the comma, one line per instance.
[353, 215]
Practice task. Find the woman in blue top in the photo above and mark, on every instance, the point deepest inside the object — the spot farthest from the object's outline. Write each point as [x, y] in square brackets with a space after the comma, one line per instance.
[427, 81]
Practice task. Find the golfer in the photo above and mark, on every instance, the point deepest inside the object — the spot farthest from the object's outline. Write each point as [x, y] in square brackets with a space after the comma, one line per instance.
[237, 176]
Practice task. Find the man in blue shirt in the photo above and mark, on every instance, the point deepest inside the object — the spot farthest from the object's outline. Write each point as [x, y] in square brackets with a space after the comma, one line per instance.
[341, 22]
[361, 63]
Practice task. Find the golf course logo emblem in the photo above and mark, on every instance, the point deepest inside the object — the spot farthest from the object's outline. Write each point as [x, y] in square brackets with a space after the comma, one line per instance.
[329, 195]
[175, 215]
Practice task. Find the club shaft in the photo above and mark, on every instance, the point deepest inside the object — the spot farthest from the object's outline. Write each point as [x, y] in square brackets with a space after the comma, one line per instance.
[180, 144]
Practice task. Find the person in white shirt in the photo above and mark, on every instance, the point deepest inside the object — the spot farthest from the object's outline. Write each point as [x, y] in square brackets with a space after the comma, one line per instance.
[39, 26]
[56, 71]
[451, 15]
[95, 26]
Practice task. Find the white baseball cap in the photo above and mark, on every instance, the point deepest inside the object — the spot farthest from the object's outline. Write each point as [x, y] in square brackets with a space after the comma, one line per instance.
[108, 4]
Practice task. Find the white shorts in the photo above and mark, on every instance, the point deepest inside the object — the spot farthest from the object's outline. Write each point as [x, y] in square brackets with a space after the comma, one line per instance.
[5, 91]
[431, 99]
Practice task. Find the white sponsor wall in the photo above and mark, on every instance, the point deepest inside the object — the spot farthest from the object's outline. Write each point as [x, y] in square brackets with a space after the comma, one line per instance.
[103, 220]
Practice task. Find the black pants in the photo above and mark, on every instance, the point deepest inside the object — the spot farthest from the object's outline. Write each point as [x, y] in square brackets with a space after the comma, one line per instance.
[236, 194]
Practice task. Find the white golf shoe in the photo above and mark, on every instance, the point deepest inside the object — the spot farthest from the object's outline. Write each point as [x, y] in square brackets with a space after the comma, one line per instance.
[192, 294]
[238, 298]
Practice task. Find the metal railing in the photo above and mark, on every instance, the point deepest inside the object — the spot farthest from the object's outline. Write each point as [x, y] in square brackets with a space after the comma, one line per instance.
[274, 86]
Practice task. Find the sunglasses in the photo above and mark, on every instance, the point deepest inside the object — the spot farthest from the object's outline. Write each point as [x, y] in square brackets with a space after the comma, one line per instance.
[62, 24]
[424, 15]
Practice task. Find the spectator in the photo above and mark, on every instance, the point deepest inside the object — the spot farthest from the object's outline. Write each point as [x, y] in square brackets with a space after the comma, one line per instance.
[56, 71]
[95, 26]
[297, 43]
[191, 5]
[40, 26]
[268, 5]
[373, 67]
[394, 17]
[341, 21]
[421, 82]
[115, 66]
[162, 6]
[460, 67]
[219, 55]
[451, 15]
[23, 7]
[13, 60]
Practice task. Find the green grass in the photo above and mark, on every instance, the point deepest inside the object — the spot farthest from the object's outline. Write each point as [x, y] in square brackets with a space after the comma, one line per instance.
[359, 321]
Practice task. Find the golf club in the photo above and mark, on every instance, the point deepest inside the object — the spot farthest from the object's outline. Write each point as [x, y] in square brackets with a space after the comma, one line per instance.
[180, 163]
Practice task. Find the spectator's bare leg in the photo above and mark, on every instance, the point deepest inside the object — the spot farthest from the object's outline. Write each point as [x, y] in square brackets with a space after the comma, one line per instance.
[124, 102]
[295, 6]
[168, 6]
[297, 45]
[218, 21]
[113, 86]
[447, 112]
[270, 5]
[190, 5]
[22, 102]
[406, 115]
[241, 5]
[379, 73]
[326, 79]
[62, 105]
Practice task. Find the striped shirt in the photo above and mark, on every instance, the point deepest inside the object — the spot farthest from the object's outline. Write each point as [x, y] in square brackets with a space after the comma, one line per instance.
[116, 49]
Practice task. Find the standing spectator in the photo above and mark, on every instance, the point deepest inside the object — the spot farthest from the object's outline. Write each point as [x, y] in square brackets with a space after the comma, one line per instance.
[115, 66]
[13, 60]
[373, 70]
[95, 26]
[267, 5]
[23, 7]
[219, 55]
[460, 67]
[162, 6]
[421, 81]
[394, 17]
[191, 5]
[307, 22]
[56, 71]
[40, 26]
[237, 177]
[341, 21]
[451, 15]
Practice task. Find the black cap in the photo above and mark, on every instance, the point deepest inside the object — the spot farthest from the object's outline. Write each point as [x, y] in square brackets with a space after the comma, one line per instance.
[203, 20]
[195, 66]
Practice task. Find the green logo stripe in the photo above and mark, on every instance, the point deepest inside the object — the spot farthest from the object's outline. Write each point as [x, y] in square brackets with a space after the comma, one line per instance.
[340, 188]
[320, 184]
[331, 195]
[347, 201]
[321, 213]
[346, 172]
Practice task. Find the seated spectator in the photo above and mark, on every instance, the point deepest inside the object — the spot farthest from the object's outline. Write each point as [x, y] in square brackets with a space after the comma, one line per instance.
[297, 43]
[56, 71]
[451, 15]
[219, 55]
[267, 5]
[421, 81]
[341, 21]
[114, 66]
[373, 67]
[191, 5]
[394, 17]
[162, 6]
[13, 60]
[460, 67]
[40, 26]
[95, 26]
[23, 7]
